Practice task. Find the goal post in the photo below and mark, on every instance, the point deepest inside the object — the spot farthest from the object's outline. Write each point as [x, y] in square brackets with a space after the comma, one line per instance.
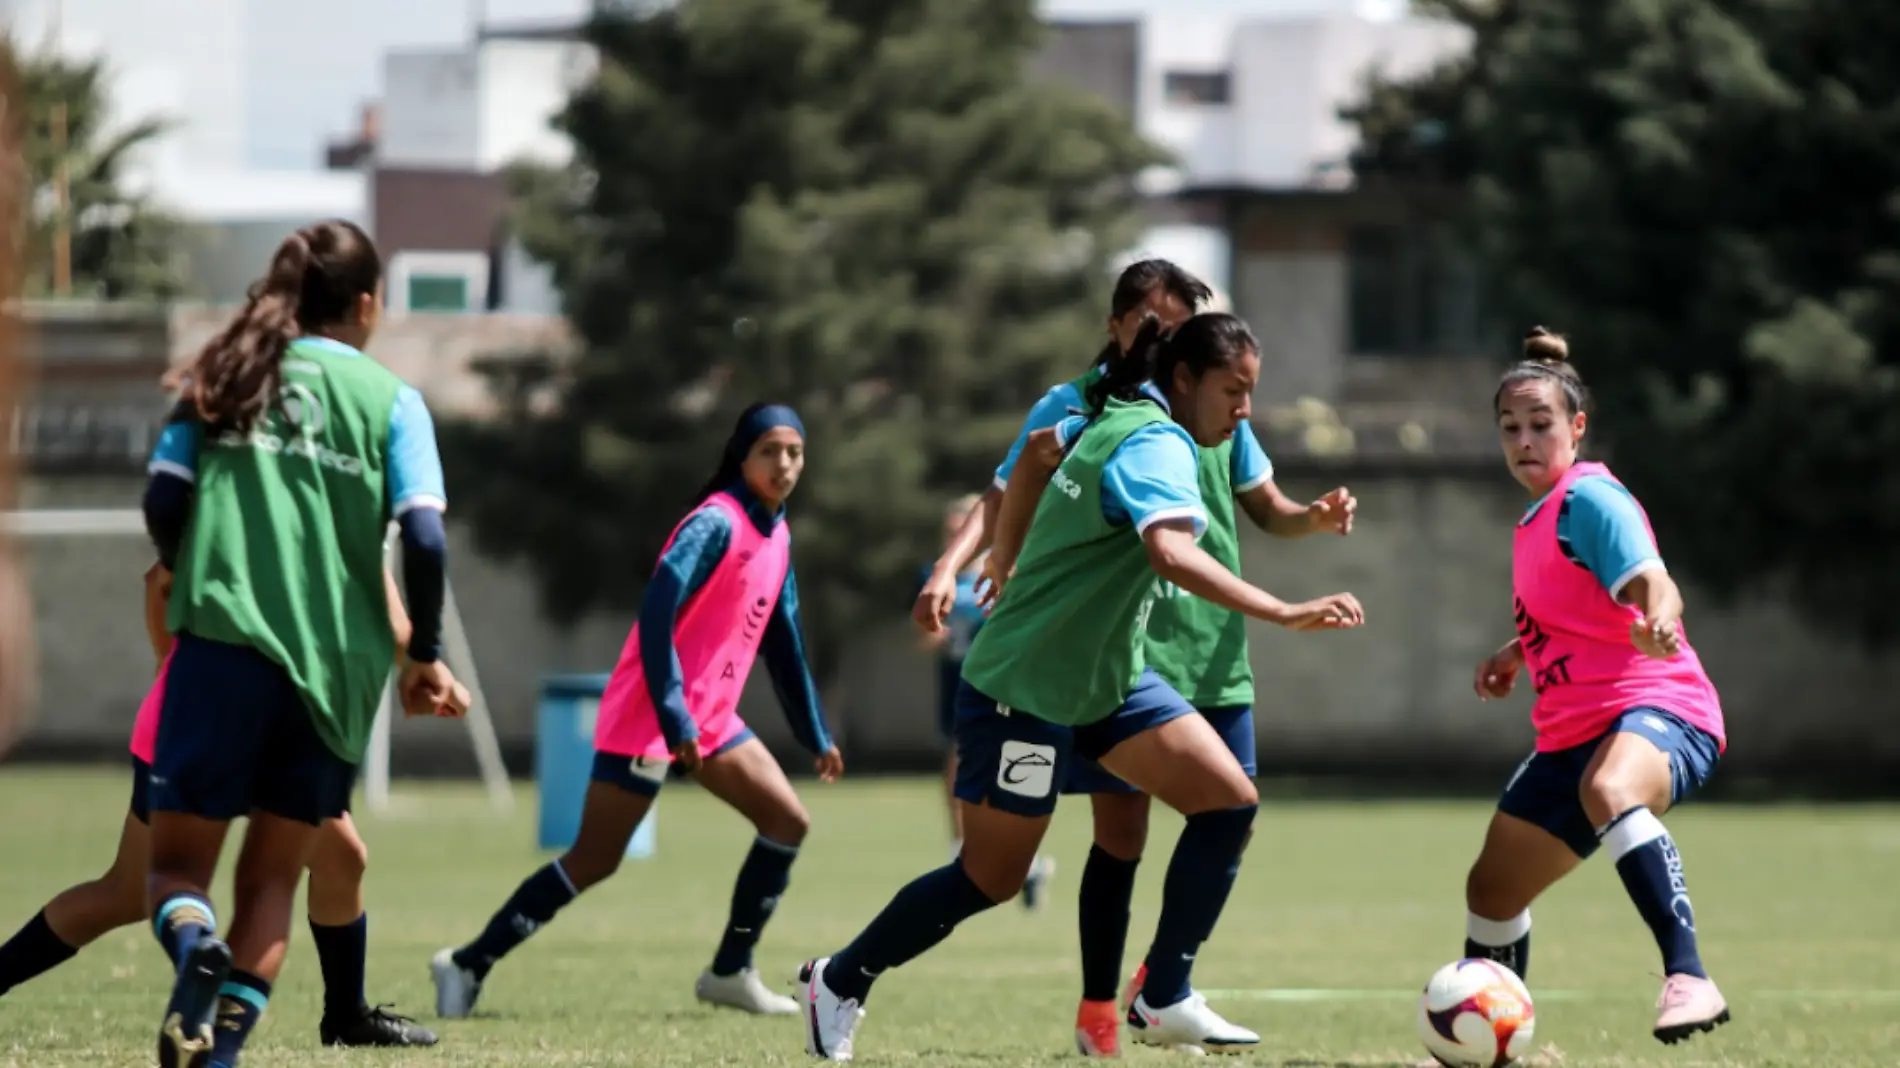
[130, 522]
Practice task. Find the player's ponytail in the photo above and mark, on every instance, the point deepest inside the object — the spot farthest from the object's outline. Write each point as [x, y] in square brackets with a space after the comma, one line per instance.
[1546, 356]
[317, 278]
[1127, 371]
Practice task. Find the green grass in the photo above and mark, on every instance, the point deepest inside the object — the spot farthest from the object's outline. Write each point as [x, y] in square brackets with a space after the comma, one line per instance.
[1798, 910]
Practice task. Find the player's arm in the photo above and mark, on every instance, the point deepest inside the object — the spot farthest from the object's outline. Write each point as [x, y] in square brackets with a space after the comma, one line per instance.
[172, 476]
[398, 615]
[1152, 482]
[783, 649]
[158, 585]
[685, 567]
[1602, 529]
[417, 499]
[1272, 510]
[1040, 457]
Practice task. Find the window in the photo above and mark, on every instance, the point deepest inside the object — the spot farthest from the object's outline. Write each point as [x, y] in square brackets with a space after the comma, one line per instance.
[1190, 88]
[438, 293]
[1413, 291]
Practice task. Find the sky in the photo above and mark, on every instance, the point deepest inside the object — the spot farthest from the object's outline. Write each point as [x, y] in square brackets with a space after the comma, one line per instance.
[303, 71]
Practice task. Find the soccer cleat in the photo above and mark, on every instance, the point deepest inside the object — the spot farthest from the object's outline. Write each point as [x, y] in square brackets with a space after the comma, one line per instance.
[745, 991]
[185, 1038]
[456, 987]
[1041, 870]
[1098, 1029]
[1688, 1005]
[1188, 1026]
[831, 1022]
[373, 1026]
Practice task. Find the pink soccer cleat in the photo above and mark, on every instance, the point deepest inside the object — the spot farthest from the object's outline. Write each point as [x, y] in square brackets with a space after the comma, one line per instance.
[1098, 1029]
[1688, 1005]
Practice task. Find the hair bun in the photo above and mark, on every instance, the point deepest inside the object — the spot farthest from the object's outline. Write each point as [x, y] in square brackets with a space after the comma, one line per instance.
[1546, 347]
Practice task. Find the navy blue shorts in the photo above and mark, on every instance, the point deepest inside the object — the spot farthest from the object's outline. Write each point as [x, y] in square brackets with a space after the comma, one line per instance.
[235, 735]
[1234, 724]
[1546, 789]
[1016, 762]
[141, 807]
[645, 775]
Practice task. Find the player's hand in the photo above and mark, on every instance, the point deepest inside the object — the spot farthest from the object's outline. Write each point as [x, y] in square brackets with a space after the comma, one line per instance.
[1333, 512]
[686, 755]
[425, 688]
[1498, 672]
[830, 765]
[458, 703]
[1658, 639]
[1339, 611]
[934, 602]
[989, 585]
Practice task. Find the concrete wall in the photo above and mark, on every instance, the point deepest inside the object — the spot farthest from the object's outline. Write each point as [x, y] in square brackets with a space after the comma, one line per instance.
[1430, 560]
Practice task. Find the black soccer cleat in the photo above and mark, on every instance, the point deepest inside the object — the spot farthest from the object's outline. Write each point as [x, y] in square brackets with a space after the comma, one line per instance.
[373, 1026]
[185, 1038]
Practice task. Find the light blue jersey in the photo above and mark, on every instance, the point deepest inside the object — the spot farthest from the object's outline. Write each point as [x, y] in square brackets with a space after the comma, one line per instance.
[1251, 468]
[415, 465]
[1601, 528]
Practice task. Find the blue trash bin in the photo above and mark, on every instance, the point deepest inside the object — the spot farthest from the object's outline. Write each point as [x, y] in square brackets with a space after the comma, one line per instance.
[564, 761]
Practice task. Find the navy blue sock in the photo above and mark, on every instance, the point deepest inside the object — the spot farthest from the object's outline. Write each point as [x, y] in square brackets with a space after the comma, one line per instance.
[342, 953]
[33, 950]
[1651, 868]
[241, 1002]
[1506, 941]
[533, 903]
[180, 921]
[762, 879]
[1108, 886]
[1200, 875]
[920, 916]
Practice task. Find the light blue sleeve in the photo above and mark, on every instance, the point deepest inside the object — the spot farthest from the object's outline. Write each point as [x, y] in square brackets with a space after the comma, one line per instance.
[1056, 405]
[177, 451]
[1251, 467]
[1154, 475]
[415, 463]
[1601, 528]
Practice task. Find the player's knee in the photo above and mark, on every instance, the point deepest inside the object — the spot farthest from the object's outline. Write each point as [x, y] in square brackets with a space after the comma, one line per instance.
[1608, 792]
[590, 867]
[342, 860]
[1123, 835]
[1489, 894]
[788, 827]
[999, 882]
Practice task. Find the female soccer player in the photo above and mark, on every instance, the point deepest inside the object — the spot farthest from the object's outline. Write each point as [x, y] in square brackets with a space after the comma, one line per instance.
[1059, 670]
[278, 483]
[80, 914]
[722, 594]
[1197, 647]
[1628, 724]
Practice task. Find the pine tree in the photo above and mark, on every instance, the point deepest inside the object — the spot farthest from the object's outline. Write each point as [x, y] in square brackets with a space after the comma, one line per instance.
[864, 209]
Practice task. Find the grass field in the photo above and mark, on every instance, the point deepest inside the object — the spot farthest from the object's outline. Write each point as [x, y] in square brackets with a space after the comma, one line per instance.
[1341, 912]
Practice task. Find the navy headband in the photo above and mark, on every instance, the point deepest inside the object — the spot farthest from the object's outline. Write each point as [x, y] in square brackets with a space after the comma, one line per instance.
[754, 426]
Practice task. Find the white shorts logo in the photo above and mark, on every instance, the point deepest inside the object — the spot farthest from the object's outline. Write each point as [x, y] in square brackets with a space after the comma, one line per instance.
[1655, 723]
[652, 769]
[1027, 770]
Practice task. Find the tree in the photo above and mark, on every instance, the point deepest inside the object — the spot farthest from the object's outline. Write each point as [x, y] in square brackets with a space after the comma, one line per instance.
[1706, 196]
[861, 207]
[122, 245]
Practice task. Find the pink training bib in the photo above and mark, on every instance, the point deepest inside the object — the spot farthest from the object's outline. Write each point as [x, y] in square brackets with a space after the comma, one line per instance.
[1576, 641]
[716, 637]
[145, 728]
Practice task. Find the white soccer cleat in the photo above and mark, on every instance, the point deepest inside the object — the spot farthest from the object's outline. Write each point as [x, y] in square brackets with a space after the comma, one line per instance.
[456, 987]
[1188, 1026]
[745, 991]
[830, 1021]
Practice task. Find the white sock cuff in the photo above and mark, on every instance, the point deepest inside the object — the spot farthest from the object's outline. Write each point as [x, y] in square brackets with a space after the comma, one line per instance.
[1633, 829]
[1497, 933]
[775, 845]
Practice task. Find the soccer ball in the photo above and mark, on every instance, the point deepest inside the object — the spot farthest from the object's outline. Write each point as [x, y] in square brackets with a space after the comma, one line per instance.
[1476, 1014]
